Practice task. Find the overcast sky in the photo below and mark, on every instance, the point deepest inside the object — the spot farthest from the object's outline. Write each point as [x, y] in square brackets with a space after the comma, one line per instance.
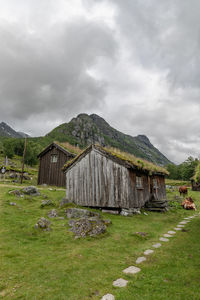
[135, 63]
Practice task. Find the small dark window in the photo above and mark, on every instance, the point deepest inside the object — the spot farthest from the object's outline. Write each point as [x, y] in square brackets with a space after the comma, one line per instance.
[54, 158]
[139, 182]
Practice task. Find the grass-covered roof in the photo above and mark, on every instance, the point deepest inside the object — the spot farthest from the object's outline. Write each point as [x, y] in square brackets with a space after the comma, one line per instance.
[65, 147]
[129, 160]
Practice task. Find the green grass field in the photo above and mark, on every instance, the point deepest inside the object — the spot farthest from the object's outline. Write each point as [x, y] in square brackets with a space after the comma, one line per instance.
[53, 265]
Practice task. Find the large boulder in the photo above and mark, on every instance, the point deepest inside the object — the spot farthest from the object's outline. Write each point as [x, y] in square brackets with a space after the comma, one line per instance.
[13, 175]
[53, 213]
[31, 190]
[43, 224]
[15, 192]
[26, 177]
[47, 203]
[63, 202]
[80, 213]
[87, 227]
[130, 212]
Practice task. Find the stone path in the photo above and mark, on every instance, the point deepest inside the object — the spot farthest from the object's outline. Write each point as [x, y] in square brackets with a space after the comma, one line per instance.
[147, 252]
[120, 282]
[134, 270]
[167, 235]
[177, 228]
[163, 239]
[108, 297]
[171, 232]
[157, 245]
[139, 260]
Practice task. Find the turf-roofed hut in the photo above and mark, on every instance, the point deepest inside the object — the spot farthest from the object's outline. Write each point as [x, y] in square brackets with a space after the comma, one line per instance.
[52, 160]
[105, 177]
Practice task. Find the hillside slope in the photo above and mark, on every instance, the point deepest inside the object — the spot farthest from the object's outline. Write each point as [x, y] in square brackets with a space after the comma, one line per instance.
[86, 129]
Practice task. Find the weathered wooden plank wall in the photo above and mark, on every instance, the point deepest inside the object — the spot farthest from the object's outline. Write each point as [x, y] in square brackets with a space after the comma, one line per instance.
[98, 181]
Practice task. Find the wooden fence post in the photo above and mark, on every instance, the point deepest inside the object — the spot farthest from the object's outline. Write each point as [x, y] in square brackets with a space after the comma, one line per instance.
[23, 159]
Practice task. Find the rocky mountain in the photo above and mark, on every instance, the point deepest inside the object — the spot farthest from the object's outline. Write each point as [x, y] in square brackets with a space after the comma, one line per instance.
[7, 131]
[86, 129]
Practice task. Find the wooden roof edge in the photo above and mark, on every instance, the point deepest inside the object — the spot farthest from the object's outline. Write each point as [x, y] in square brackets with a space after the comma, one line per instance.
[44, 151]
[124, 162]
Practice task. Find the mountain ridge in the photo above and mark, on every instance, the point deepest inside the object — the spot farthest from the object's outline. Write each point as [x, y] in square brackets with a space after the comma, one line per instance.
[7, 131]
[86, 129]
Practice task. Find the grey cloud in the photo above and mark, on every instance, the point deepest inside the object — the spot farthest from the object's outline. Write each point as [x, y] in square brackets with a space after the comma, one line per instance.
[146, 69]
[174, 130]
[48, 71]
[164, 35]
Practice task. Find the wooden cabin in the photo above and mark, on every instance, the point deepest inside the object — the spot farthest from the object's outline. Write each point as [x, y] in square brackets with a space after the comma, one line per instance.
[99, 177]
[52, 160]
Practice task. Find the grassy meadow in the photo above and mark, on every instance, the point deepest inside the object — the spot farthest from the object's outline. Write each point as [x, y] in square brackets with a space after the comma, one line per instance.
[53, 265]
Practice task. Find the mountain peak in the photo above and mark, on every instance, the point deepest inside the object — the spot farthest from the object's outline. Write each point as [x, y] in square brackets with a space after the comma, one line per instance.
[143, 138]
[82, 115]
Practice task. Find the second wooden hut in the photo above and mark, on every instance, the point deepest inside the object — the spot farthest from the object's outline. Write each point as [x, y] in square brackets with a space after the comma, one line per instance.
[52, 160]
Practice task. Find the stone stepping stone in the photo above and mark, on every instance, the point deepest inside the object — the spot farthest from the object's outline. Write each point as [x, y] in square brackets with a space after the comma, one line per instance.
[157, 245]
[177, 229]
[139, 260]
[120, 282]
[183, 222]
[171, 232]
[180, 225]
[108, 297]
[167, 235]
[149, 251]
[131, 270]
[163, 239]
[186, 218]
